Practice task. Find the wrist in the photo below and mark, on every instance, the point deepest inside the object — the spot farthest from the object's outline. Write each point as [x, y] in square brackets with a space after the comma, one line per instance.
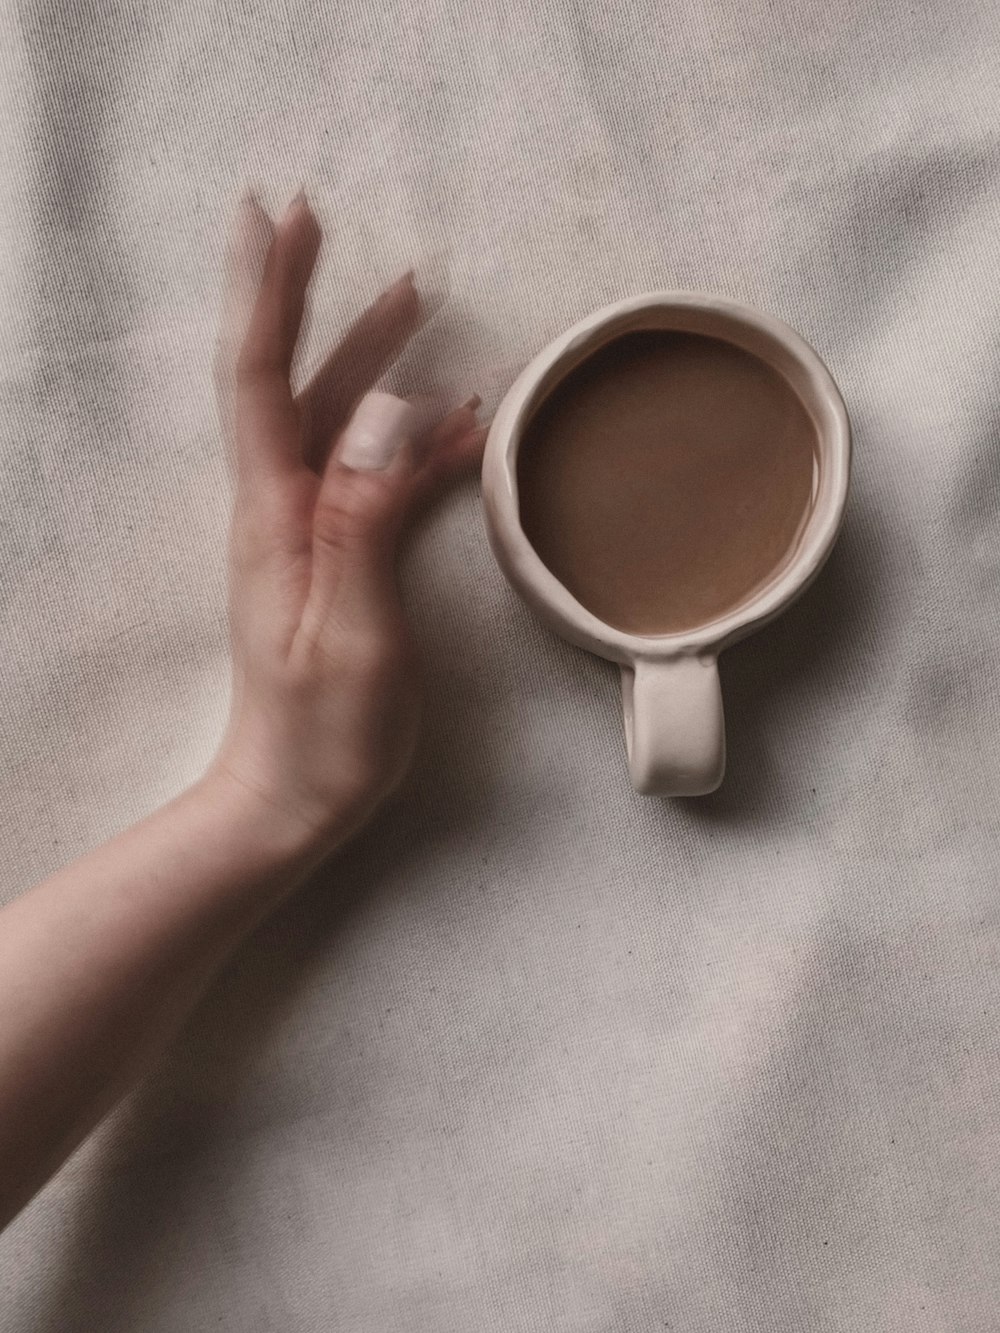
[277, 837]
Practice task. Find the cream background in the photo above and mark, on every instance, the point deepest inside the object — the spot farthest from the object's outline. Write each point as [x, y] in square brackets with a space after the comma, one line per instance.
[569, 1059]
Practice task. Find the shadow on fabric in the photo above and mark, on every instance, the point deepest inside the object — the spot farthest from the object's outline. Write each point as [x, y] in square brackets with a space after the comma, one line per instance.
[825, 644]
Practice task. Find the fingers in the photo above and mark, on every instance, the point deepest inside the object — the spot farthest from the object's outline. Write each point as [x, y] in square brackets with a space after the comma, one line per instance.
[356, 520]
[361, 509]
[367, 349]
[267, 423]
[248, 242]
[376, 431]
[454, 450]
[365, 486]
[438, 449]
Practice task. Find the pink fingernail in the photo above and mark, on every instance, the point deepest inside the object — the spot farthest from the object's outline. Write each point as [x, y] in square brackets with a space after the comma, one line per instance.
[381, 425]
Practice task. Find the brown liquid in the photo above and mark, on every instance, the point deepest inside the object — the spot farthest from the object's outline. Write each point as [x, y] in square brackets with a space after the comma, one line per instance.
[665, 478]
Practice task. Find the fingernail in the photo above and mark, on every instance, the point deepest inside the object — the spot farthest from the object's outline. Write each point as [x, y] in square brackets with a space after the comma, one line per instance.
[249, 233]
[299, 201]
[397, 284]
[250, 209]
[432, 279]
[472, 403]
[380, 426]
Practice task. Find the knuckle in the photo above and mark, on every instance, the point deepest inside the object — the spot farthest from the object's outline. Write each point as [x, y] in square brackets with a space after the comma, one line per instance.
[268, 523]
[357, 511]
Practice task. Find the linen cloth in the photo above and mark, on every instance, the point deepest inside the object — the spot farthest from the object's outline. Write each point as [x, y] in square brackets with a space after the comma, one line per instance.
[535, 1053]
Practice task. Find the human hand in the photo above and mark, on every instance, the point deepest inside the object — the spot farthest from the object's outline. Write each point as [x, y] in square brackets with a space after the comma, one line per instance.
[325, 699]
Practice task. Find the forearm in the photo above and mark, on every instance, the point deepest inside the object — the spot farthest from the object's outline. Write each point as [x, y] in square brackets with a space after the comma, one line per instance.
[101, 963]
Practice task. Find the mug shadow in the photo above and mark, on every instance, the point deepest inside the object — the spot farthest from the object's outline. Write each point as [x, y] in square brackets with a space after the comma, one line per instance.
[818, 645]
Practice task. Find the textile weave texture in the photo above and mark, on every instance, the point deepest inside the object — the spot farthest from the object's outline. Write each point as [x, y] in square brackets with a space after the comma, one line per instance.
[536, 1053]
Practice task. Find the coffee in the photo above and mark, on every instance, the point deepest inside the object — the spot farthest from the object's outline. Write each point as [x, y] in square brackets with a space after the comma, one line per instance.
[666, 478]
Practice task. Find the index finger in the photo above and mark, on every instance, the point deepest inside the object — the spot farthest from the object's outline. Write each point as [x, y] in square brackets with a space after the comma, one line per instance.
[247, 244]
[268, 431]
[367, 349]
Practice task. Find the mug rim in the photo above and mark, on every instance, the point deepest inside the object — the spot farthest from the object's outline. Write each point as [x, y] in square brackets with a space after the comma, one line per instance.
[536, 582]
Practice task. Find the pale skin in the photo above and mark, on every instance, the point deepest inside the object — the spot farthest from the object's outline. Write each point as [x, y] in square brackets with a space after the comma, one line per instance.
[102, 962]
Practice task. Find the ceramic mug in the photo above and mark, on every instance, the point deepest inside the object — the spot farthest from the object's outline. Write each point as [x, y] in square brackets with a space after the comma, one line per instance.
[674, 732]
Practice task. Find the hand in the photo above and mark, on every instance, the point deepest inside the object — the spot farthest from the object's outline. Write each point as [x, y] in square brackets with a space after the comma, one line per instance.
[325, 692]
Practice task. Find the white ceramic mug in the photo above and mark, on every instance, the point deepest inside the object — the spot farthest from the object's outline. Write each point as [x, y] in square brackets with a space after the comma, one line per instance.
[674, 732]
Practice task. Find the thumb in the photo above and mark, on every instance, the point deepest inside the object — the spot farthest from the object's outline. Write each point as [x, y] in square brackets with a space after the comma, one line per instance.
[357, 519]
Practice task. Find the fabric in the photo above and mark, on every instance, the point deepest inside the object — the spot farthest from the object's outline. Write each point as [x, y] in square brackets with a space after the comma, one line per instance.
[566, 1058]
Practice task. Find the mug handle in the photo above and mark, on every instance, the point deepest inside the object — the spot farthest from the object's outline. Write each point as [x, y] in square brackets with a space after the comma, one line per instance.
[674, 731]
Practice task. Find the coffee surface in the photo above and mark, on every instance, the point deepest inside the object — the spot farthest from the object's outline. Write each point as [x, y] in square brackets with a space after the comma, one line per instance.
[665, 478]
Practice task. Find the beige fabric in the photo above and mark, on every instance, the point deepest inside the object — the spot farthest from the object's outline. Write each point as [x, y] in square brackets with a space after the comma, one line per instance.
[570, 1059]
